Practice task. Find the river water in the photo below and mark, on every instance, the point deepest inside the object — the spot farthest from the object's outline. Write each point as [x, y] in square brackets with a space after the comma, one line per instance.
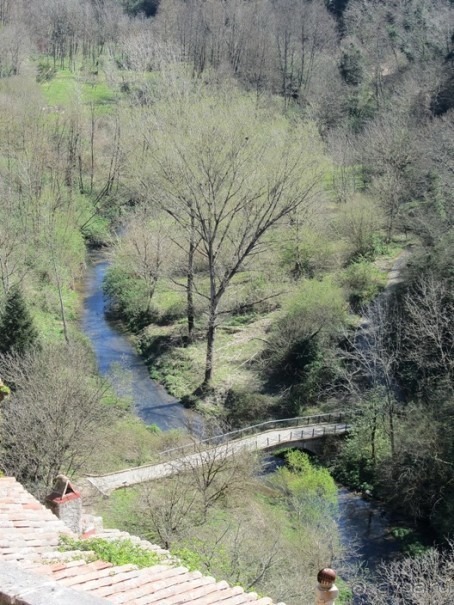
[363, 525]
[117, 358]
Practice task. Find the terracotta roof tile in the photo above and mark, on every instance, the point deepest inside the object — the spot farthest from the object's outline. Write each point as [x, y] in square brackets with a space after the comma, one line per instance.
[219, 597]
[209, 586]
[143, 577]
[76, 569]
[27, 528]
[178, 594]
[105, 577]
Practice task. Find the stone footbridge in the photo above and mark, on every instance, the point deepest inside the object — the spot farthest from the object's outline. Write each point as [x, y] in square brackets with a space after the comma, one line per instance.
[299, 432]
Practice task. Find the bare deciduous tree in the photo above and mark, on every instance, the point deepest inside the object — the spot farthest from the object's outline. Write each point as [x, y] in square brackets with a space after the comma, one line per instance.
[50, 421]
[429, 307]
[209, 476]
[389, 150]
[144, 251]
[217, 473]
[371, 366]
[358, 223]
[227, 173]
[14, 47]
[421, 580]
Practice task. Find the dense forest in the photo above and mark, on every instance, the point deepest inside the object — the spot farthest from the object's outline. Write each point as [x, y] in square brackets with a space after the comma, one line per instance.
[273, 182]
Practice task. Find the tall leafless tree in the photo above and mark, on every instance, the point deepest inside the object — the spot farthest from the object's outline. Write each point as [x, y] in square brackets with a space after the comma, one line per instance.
[230, 173]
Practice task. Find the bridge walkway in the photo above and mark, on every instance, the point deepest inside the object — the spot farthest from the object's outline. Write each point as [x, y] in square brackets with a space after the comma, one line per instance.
[222, 446]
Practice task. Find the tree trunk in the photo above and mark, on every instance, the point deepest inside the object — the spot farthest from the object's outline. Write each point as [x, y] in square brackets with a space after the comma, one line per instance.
[190, 285]
[92, 148]
[392, 435]
[62, 311]
[211, 332]
[215, 296]
[212, 319]
[60, 298]
[372, 440]
[151, 294]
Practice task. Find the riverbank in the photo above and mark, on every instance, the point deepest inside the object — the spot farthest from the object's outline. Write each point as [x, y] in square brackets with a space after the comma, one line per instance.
[112, 346]
[249, 535]
[364, 530]
[145, 420]
[250, 361]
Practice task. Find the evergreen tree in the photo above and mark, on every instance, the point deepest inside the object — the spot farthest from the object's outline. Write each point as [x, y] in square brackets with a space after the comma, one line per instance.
[17, 332]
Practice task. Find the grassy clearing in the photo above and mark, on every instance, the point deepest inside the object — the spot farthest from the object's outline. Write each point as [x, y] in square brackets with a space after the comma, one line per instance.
[237, 347]
[241, 338]
[67, 87]
[46, 311]
[61, 89]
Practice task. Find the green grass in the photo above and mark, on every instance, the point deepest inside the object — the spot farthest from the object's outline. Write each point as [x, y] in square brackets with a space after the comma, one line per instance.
[98, 92]
[119, 510]
[67, 87]
[61, 89]
[181, 368]
[128, 442]
[169, 299]
[345, 592]
[46, 311]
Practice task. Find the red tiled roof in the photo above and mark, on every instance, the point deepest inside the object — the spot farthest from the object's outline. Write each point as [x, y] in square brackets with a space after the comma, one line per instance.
[27, 528]
[29, 535]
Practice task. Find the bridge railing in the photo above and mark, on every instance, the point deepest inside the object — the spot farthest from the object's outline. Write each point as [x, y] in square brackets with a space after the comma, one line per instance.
[269, 425]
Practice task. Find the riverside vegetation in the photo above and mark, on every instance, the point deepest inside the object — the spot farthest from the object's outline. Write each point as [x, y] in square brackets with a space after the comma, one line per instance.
[225, 521]
[268, 163]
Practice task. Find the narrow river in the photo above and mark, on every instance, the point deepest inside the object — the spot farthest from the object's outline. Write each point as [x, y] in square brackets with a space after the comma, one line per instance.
[364, 528]
[116, 356]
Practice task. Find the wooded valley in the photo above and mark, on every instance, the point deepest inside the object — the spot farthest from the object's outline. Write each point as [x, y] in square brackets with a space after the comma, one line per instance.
[272, 183]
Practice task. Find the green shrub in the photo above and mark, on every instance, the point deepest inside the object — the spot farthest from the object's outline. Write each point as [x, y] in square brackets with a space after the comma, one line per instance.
[363, 283]
[365, 447]
[409, 541]
[45, 72]
[191, 559]
[152, 347]
[245, 408]
[96, 231]
[153, 428]
[300, 340]
[359, 222]
[310, 254]
[128, 298]
[352, 65]
[309, 490]
[117, 552]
